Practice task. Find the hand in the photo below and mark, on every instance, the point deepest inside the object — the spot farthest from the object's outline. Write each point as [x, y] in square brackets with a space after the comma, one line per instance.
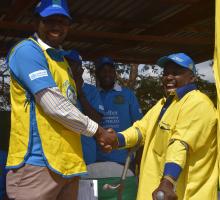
[168, 188]
[107, 139]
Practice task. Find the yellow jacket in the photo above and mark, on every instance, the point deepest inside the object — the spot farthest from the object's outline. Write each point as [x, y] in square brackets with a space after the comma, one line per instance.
[192, 120]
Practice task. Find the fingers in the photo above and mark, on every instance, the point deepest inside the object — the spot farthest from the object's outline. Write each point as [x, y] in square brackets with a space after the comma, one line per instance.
[107, 139]
[110, 130]
[107, 148]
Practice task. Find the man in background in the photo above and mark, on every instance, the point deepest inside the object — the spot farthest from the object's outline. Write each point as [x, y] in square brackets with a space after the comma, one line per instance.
[121, 106]
[121, 111]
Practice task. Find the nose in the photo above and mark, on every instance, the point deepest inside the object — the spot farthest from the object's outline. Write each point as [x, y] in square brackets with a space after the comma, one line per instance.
[168, 77]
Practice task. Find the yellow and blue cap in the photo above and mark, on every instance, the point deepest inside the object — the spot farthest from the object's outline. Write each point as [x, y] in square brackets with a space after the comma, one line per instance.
[180, 59]
[47, 8]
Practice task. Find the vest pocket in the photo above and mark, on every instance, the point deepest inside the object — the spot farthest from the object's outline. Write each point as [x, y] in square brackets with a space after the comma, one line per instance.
[162, 136]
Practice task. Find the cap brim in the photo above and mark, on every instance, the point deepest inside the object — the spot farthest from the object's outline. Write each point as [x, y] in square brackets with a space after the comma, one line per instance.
[54, 11]
[104, 63]
[162, 61]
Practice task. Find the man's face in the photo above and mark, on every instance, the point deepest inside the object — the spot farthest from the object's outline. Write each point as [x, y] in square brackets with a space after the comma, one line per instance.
[106, 76]
[53, 29]
[175, 77]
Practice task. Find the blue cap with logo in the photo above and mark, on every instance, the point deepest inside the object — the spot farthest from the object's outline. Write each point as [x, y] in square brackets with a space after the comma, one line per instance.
[180, 59]
[47, 8]
[73, 55]
[104, 61]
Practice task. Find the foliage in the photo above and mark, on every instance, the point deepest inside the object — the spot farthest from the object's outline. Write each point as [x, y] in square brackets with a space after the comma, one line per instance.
[4, 86]
[208, 88]
[148, 92]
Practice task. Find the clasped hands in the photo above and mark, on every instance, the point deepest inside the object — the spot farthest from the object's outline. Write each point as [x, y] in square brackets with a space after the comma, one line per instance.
[107, 139]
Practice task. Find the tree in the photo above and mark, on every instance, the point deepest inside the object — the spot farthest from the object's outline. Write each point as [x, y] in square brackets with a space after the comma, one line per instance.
[4, 86]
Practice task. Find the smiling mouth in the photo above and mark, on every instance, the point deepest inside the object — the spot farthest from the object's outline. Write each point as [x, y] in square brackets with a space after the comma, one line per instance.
[170, 86]
[55, 34]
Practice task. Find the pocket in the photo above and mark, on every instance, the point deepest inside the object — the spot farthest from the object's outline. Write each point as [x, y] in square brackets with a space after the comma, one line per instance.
[13, 180]
[162, 136]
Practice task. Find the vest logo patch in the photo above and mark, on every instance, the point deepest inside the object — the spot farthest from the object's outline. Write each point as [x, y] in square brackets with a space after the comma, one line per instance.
[71, 95]
[119, 99]
[38, 74]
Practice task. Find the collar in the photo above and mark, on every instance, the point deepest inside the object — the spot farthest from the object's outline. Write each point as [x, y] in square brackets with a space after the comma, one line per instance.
[116, 87]
[41, 43]
[52, 52]
[182, 91]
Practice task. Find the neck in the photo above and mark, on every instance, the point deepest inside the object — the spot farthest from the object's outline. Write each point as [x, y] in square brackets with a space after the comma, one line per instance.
[107, 87]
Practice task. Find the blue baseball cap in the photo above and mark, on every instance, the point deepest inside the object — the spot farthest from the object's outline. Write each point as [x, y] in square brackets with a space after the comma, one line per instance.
[73, 55]
[180, 59]
[104, 61]
[47, 8]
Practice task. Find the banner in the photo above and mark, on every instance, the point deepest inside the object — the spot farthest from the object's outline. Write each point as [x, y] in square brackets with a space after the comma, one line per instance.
[216, 68]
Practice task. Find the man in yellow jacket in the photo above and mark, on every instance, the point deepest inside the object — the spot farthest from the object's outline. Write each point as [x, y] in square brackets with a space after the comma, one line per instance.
[179, 137]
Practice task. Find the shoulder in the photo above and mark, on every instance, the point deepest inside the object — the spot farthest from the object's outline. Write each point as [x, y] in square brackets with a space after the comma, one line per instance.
[125, 90]
[24, 48]
[90, 90]
[198, 103]
[89, 87]
[128, 93]
[198, 97]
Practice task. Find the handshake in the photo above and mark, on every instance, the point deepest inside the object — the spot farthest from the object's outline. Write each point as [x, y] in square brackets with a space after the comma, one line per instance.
[107, 139]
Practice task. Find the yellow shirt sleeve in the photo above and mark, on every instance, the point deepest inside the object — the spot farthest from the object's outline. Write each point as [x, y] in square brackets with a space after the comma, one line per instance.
[145, 126]
[131, 134]
[177, 153]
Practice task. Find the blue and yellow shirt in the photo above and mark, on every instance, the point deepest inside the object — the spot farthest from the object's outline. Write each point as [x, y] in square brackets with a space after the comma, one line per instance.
[35, 138]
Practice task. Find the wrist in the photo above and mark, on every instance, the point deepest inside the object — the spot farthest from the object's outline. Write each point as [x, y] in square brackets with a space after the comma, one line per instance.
[98, 133]
[168, 181]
